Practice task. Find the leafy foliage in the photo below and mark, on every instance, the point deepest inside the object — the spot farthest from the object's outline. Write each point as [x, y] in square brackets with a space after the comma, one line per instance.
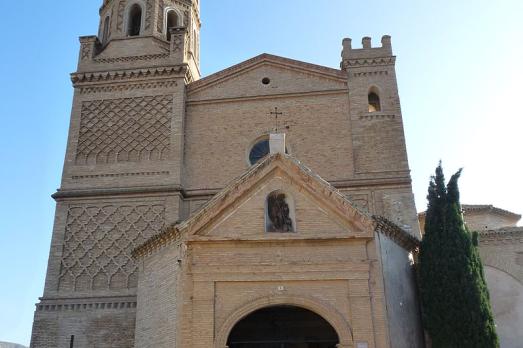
[454, 295]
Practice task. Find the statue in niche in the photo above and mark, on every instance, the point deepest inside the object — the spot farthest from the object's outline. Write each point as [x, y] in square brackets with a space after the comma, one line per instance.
[278, 212]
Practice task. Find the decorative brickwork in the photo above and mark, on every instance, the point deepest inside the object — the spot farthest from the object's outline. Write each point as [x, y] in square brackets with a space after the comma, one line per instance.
[159, 25]
[126, 75]
[91, 306]
[128, 87]
[149, 14]
[121, 8]
[98, 244]
[86, 50]
[125, 130]
[366, 62]
[146, 57]
[119, 175]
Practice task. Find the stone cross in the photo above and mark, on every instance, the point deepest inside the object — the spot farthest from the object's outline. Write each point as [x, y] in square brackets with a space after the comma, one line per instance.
[276, 113]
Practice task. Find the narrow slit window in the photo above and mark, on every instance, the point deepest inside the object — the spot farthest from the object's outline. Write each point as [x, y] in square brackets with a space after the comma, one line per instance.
[135, 20]
[374, 102]
[105, 34]
[173, 21]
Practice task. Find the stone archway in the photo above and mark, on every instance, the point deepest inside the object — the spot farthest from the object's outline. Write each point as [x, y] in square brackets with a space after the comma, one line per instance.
[329, 318]
[283, 327]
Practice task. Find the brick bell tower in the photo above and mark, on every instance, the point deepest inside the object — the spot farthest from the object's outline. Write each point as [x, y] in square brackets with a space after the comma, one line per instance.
[122, 180]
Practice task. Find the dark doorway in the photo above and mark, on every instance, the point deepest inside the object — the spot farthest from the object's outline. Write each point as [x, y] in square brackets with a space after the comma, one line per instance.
[283, 327]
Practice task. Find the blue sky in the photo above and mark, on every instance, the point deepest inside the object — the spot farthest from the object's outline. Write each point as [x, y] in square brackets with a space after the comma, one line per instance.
[459, 73]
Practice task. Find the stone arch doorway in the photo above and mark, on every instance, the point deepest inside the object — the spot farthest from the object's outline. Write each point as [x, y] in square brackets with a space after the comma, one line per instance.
[283, 326]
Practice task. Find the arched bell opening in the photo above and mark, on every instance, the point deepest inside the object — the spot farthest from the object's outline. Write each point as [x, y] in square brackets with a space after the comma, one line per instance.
[283, 327]
[134, 20]
[374, 100]
[172, 21]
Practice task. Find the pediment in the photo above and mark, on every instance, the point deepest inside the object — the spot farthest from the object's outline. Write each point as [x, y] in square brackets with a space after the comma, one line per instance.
[246, 219]
[236, 212]
[239, 211]
[286, 76]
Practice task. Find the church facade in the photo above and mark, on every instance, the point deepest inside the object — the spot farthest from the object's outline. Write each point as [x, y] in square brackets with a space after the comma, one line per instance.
[266, 205]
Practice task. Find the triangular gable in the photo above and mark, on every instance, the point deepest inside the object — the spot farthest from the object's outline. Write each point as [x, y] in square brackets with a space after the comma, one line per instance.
[326, 195]
[339, 77]
[245, 218]
[330, 199]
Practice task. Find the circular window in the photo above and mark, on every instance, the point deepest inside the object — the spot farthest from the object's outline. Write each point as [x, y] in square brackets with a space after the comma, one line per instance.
[266, 80]
[259, 150]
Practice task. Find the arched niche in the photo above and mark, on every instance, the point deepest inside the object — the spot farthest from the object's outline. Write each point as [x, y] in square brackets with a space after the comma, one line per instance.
[280, 212]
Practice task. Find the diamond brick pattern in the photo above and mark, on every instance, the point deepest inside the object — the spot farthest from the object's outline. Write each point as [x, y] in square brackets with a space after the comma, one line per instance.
[125, 130]
[99, 241]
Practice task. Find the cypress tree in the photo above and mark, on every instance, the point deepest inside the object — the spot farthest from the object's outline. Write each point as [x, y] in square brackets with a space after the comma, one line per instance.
[455, 299]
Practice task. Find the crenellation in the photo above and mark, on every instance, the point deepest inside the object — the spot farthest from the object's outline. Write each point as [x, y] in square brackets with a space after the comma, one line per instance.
[367, 51]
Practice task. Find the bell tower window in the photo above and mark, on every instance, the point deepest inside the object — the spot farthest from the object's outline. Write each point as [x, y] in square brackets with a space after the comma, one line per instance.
[134, 22]
[374, 101]
[173, 21]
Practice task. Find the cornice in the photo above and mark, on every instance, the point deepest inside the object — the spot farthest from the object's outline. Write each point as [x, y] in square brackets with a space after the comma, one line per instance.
[170, 234]
[95, 192]
[469, 208]
[503, 236]
[369, 62]
[397, 234]
[489, 208]
[80, 78]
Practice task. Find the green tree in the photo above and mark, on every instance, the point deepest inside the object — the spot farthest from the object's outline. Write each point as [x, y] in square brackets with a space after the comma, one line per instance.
[454, 295]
